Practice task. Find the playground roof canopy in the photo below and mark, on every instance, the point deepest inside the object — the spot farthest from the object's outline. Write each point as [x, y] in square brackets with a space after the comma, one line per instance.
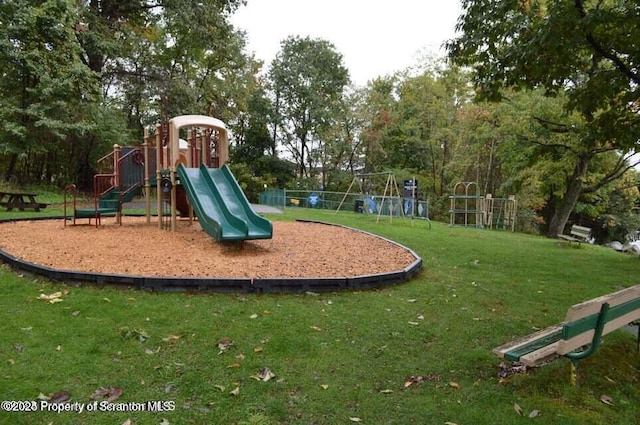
[176, 123]
[197, 121]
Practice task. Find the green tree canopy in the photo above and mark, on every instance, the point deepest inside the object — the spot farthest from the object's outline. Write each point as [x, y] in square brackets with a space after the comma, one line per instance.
[78, 77]
[587, 50]
[308, 79]
[46, 89]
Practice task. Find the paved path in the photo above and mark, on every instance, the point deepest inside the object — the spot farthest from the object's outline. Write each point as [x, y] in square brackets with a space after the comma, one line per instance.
[265, 209]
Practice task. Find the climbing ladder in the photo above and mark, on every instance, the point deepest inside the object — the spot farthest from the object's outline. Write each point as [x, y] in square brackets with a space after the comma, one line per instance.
[121, 180]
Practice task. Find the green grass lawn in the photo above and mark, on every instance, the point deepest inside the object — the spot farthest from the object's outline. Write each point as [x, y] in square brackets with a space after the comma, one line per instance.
[338, 358]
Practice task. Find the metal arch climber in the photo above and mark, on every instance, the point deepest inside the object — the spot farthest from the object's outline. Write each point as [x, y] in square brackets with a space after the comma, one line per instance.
[471, 209]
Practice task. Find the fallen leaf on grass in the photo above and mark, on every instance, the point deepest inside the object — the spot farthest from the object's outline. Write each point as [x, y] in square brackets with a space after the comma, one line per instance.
[505, 371]
[407, 384]
[138, 334]
[51, 298]
[127, 422]
[316, 328]
[60, 397]
[534, 413]
[387, 391]
[224, 345]
[518, 409]
[454, 385]
[606, 400]
[235, 391]
[354, 419]
[450, 423]
[264, 375]
[419, 379]
[324, 386]
[111, 394]
[171, 337]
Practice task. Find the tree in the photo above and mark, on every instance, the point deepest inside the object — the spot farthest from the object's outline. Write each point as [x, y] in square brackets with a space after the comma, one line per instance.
[78, 77]
[410, 123]
[251, 134]
[426, 113]
[47, 91]
[165, 58]
[586, 50]
[378, 122]
[341, 150]
[253, 152]
[307, 81]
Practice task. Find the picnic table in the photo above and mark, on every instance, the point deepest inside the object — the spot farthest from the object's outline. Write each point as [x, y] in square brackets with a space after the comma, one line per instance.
[12, 200]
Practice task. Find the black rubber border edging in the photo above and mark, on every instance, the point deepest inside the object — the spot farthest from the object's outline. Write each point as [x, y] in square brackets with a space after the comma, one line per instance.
[222, 285]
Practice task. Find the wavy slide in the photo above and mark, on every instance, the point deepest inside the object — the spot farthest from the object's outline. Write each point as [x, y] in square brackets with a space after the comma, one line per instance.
[222, 209]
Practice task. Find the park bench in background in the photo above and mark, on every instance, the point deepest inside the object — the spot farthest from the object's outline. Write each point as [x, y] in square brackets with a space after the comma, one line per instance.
[577, 234]
[579, 336]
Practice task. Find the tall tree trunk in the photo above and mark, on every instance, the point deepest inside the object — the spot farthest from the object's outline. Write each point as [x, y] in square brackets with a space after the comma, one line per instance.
[443, 166]
[276, 124]
[11, 168]
[574, 189]
[488, 184]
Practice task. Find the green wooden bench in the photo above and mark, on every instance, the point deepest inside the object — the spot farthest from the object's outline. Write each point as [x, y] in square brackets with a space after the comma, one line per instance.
[580, 335]
[577, 234]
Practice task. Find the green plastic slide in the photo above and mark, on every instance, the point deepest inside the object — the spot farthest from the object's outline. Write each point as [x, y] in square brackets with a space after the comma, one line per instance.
[222, 209]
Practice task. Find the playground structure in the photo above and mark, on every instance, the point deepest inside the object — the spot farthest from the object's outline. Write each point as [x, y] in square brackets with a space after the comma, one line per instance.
[367, 203]
[391, 202]
[192, 179]
[471, 209]
[160, 261]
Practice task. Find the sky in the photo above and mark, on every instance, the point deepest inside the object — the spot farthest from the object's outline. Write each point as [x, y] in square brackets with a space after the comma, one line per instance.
[376, 38]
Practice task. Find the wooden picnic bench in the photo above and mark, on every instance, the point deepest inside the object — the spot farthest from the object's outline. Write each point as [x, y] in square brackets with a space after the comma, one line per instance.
[577, 234]
[579, 336]
[21, 201]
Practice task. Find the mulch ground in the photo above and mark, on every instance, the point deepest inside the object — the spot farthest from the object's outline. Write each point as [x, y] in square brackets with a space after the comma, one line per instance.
[297, 249]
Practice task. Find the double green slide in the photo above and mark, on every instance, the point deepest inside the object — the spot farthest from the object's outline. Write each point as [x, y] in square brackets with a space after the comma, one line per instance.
[221, 206]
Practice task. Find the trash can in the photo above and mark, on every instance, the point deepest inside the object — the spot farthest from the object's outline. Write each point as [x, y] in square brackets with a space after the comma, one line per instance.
[358, 206]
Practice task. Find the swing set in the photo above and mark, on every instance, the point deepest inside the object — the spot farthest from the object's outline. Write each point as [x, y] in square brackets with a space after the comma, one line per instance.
[367, 203]
[392, 202]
